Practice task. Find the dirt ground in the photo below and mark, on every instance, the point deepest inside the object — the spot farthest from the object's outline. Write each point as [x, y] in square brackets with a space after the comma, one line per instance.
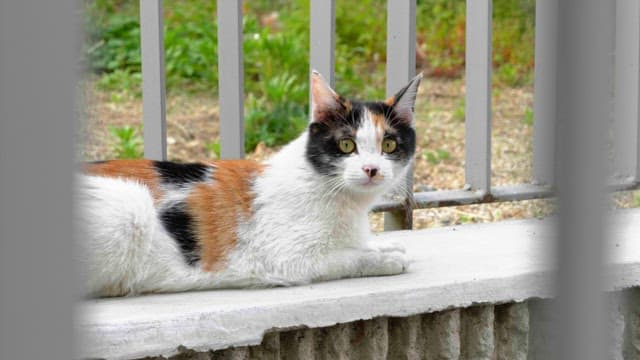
[192, 122]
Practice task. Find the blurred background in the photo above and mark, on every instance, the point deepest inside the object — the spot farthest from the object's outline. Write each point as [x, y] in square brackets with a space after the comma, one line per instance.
[276, 68]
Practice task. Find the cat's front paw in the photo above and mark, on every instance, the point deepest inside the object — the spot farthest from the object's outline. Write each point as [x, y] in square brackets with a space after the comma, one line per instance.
[388, 263]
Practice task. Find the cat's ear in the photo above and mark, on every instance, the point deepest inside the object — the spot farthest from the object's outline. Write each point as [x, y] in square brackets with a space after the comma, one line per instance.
[403, 101]
[324, 100]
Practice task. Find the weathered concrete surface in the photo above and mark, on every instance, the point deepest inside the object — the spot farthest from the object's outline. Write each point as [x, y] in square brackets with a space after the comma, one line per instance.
[477, 332]
[463, 334]
[512, 331]
[453, 268]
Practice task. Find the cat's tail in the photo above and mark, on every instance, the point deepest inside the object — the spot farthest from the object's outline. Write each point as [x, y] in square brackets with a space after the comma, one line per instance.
[117, 220]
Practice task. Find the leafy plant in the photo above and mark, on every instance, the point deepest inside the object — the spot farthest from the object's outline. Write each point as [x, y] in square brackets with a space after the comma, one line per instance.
[437, 156]
[465, 219]
[128, 143]
[459, 111]
[114, 45]
[528, 116]
[276, 51]
[214, 148]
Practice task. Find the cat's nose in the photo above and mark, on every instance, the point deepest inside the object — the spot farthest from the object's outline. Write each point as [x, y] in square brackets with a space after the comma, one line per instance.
[370, 170]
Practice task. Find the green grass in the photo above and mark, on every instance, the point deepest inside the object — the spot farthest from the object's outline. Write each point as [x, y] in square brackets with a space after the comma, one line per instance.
[128, 142]
[435, 157]
[276, 51]
[214, 148]
[459, 111]
[528, 116]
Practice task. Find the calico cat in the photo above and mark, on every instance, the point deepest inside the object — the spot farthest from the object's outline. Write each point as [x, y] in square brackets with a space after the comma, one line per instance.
[156, 226]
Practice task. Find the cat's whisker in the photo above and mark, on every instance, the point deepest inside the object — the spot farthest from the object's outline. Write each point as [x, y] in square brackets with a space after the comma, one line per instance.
[336, 184]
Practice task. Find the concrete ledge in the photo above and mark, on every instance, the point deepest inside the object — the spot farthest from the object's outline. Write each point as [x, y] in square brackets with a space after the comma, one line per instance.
[453, 267]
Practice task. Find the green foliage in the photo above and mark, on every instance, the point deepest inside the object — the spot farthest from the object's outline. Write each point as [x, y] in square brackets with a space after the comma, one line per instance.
[121, 82]
[214, 148]
[465, 219]
[441, 35]
[191, 45]
[513, 41]
[273, 123]
[114, 45]
[436, 157]
[459, 111]
[637, 199]
[128, 142]
[528, 116]
[276, 48]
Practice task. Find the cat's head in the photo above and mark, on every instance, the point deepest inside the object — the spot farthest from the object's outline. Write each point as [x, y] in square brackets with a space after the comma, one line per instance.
[363, 147]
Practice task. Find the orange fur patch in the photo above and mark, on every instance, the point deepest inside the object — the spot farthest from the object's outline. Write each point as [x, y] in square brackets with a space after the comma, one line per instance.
[380, 123]
[139, 170]
[391, 100]
[218, 206]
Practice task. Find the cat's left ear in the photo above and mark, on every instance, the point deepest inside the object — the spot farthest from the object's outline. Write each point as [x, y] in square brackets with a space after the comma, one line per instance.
[325, 102]
[403, 101]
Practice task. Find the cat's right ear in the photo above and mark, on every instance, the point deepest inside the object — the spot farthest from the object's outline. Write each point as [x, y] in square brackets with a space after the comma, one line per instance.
[325, 102]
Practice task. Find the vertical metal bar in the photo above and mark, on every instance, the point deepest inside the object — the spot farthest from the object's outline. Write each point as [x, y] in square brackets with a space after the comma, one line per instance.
[401, 67]
[231, 79]
[584, 84]
[153, 86]
[478, 95]
[322, 42]
[544, 100]
[38, 87]
[626, 128]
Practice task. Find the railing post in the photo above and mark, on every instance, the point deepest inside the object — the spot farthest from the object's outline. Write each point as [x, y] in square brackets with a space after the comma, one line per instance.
[478, 96]
[584, 109]
[322, 38]
[39, 272]
[626, 128]
[544, 100]
[401, 67]
[230, 79]
[153, 84]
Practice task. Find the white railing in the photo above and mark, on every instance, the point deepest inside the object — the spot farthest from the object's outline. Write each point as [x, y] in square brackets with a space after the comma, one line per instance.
[401, 35]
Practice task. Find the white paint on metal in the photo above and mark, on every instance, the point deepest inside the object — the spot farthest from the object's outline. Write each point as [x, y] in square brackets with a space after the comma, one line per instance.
[627, 92]
[401, 68]
[478, 95]
[544, 100]
[153, 80]
[230, 79]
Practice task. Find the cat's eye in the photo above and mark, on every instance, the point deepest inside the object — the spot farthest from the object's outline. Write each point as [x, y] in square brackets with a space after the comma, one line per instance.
[347, 146]
[389, 145]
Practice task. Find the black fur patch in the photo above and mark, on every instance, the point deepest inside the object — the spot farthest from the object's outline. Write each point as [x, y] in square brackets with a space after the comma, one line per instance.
[324, 133]
[178, 174]
[180, 224]
[406, 140]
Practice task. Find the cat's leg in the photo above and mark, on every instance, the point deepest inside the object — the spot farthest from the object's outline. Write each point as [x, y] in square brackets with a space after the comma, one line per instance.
[358, 262]
[303, 268]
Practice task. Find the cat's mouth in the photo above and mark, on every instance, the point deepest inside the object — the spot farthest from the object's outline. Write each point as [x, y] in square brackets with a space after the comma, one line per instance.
[372, 182]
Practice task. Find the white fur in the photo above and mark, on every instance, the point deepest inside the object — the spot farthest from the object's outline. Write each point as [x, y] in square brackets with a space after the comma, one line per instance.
[306, 229]
[124, 249]
[303, 229]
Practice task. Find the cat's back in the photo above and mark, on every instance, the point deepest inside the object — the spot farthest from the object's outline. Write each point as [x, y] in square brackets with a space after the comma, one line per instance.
[162, 177]
[193, 209]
